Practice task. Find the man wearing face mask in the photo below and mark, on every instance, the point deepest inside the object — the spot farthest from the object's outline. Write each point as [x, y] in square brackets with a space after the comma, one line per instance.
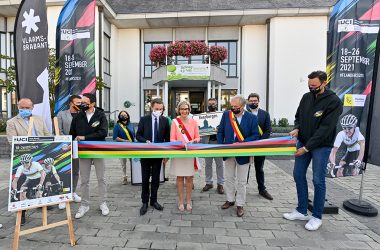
[237, 126]
[20, 125]
[64, 123]
[265, 130]
[153, 128]
[211, 139]
[90, 124]
[314, 126]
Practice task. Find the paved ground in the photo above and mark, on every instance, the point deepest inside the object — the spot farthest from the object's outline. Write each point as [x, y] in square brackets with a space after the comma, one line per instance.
[207, 227]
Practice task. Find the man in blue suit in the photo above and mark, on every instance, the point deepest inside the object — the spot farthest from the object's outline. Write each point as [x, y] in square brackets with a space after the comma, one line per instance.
[265, 130]
[237, 126]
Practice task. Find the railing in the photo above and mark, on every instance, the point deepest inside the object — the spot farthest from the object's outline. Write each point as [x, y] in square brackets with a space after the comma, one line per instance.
[109, 115]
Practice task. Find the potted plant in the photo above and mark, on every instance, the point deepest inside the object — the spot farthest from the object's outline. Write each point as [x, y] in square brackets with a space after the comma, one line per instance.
[196, 48]
[217, 54]
[158, 55]
[178, 48]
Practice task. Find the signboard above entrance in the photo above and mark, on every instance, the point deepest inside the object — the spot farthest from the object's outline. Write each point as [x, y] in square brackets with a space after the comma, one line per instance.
[188, 72]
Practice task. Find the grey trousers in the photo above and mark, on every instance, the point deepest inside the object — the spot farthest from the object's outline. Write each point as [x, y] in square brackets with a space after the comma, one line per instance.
[85, 171]
[219, 170]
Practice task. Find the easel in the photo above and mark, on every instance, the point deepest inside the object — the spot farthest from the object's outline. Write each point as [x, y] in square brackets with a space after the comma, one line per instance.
[45, 224]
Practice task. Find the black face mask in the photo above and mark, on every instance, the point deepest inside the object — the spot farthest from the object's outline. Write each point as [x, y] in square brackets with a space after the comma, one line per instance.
[212, 108]
[123, 118]
[77, 107]
[253, 105]
[84, 107]
[315, 90]
[235, 111]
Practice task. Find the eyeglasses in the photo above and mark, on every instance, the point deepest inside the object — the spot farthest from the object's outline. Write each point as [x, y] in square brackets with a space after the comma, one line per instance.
[184, 109]
[347, 128]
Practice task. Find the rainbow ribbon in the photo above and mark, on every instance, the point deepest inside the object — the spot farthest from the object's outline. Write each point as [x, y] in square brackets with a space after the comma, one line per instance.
[274, 146]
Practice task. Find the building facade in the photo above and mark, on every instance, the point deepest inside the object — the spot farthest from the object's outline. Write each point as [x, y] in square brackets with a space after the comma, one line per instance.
[272, 46]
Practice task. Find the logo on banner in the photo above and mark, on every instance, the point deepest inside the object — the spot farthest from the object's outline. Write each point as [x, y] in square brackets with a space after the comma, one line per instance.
[30, 21]
[351, 25]
[352, 100]
[73, 34]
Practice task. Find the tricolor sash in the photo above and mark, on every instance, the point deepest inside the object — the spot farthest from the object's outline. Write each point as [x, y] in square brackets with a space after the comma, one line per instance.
[186, 136]
[260, 131]
[236, 127]
[126, 132]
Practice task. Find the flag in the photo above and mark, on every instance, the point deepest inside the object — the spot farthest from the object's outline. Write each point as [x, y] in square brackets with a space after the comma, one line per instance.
[75, 47]
[372, 148]
[31, 56]
[352, 36]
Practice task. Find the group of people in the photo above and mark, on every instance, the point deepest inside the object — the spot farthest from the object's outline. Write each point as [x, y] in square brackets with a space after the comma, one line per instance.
[315, 125]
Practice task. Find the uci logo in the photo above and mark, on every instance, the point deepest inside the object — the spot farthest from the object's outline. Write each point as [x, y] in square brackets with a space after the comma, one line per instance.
[22, 139]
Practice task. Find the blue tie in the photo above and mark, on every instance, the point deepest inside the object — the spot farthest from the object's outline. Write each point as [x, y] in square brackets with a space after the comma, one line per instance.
[155, 139]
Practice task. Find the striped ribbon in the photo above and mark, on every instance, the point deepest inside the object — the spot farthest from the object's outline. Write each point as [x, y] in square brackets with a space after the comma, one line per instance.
[273, 146]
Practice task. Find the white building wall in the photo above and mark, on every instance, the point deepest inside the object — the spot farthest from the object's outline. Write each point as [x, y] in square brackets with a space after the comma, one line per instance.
[297, 47]
[52, 17]
[125, 71]
[254, 61]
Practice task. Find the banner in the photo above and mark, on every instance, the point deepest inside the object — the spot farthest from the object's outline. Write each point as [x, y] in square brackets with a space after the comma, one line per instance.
[75, 46]
[31, 56]
[372, 146]
[208, 122]
[352, 36]
[40, 172]
[188, 72]
[274, 146]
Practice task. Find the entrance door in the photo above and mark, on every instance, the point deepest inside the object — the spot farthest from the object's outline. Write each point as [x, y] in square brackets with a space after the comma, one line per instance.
[196, 97]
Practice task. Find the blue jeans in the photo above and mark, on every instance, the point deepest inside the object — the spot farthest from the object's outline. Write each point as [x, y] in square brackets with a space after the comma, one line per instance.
[320, 158]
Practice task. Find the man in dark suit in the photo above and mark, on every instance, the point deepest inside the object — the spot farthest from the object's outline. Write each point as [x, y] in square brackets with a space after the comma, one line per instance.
[265, 130]
[237, 125]
[153, 128]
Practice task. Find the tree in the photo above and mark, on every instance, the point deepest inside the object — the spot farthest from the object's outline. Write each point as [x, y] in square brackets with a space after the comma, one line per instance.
[10, 75]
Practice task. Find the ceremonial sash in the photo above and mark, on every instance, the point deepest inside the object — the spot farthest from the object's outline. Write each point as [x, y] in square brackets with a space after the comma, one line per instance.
[236, 127]
[186, 136]
[126, 132]
[260, 131]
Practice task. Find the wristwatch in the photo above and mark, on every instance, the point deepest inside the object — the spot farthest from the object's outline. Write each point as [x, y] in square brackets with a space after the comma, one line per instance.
[306, 150]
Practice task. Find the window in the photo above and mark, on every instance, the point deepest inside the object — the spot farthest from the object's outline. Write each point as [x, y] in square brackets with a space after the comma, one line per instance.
[148, 65]
[3, 52]
[107, 54]
[106, 99]
[227, 94]
[230, 64]
[149, 95]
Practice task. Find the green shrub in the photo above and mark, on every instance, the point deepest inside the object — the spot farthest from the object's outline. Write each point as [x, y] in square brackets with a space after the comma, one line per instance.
[283, 122]
[111, 124]
[3, 125]
[273, 122]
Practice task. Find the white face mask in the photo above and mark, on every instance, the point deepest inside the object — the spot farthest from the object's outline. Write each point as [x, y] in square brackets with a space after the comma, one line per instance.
[156, 113]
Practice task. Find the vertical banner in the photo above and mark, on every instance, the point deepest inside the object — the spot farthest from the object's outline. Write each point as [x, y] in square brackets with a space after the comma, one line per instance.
[352, 36]
[31, 56]
[373, 133]
[75, 46]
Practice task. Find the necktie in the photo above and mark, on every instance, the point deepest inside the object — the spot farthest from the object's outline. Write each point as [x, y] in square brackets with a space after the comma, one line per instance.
[155, 139]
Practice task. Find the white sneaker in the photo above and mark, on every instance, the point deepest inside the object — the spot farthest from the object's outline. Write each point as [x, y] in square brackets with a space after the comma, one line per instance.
[104, 208]
[295, 215]
[62, 205]
[76, 198]
[313, 224]
[1, 225]
[81, 211]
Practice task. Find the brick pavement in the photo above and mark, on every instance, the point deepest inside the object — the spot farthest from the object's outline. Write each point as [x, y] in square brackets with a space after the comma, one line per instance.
[207, 226]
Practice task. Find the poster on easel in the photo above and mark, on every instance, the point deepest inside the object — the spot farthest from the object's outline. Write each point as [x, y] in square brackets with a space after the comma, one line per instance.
[208, 122]
[40, 173]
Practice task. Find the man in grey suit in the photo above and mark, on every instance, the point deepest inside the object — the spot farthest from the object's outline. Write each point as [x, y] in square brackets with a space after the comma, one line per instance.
[21, 124]
[64, 123]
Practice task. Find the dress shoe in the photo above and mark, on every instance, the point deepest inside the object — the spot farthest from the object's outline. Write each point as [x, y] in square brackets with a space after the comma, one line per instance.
[266, 195]
[157, 206]
[144, 209]
[239, 211]
[220, 189]
[207, 187]
[228, 204]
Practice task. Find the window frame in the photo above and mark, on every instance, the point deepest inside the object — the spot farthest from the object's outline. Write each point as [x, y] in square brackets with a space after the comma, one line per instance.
[107, 61]
[227, 62]
[146, 56]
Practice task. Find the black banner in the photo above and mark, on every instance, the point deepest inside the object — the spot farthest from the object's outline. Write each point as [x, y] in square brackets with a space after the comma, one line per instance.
[31, 56]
